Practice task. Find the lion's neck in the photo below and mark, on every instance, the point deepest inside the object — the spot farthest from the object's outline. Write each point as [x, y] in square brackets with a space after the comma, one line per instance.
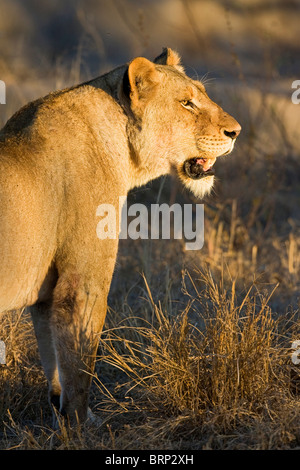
[143, 171]
[146, 162]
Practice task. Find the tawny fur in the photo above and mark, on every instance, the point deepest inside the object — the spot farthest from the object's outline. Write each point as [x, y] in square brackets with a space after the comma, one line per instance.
[60, 158]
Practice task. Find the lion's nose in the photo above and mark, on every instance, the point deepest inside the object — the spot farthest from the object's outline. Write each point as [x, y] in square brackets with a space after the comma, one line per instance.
[233, 133]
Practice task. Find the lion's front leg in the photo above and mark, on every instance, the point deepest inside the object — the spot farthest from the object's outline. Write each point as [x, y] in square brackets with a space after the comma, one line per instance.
[76, 322]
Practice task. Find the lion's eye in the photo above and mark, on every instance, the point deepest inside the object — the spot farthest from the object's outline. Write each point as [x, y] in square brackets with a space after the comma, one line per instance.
[188, 104]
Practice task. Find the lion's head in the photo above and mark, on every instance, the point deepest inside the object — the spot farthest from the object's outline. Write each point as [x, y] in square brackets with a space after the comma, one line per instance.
[173, 123]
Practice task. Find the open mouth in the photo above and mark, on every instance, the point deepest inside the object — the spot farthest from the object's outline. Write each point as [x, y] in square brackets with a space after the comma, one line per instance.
[197, 168]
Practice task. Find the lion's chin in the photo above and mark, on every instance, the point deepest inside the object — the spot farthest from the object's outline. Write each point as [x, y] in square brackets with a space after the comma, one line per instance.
[201, 187]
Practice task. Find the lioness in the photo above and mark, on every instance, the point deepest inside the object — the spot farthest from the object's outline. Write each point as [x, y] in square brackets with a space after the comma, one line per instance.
[63, 155]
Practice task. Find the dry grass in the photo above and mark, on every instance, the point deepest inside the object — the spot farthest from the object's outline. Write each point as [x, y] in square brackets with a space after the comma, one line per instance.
[218, 375]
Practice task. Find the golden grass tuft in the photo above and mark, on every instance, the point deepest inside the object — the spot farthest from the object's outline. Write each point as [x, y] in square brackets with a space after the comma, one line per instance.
[220, 366]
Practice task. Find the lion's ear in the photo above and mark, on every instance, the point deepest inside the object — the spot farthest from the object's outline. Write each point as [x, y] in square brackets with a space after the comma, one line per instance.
[140, 81]
[169, 57]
